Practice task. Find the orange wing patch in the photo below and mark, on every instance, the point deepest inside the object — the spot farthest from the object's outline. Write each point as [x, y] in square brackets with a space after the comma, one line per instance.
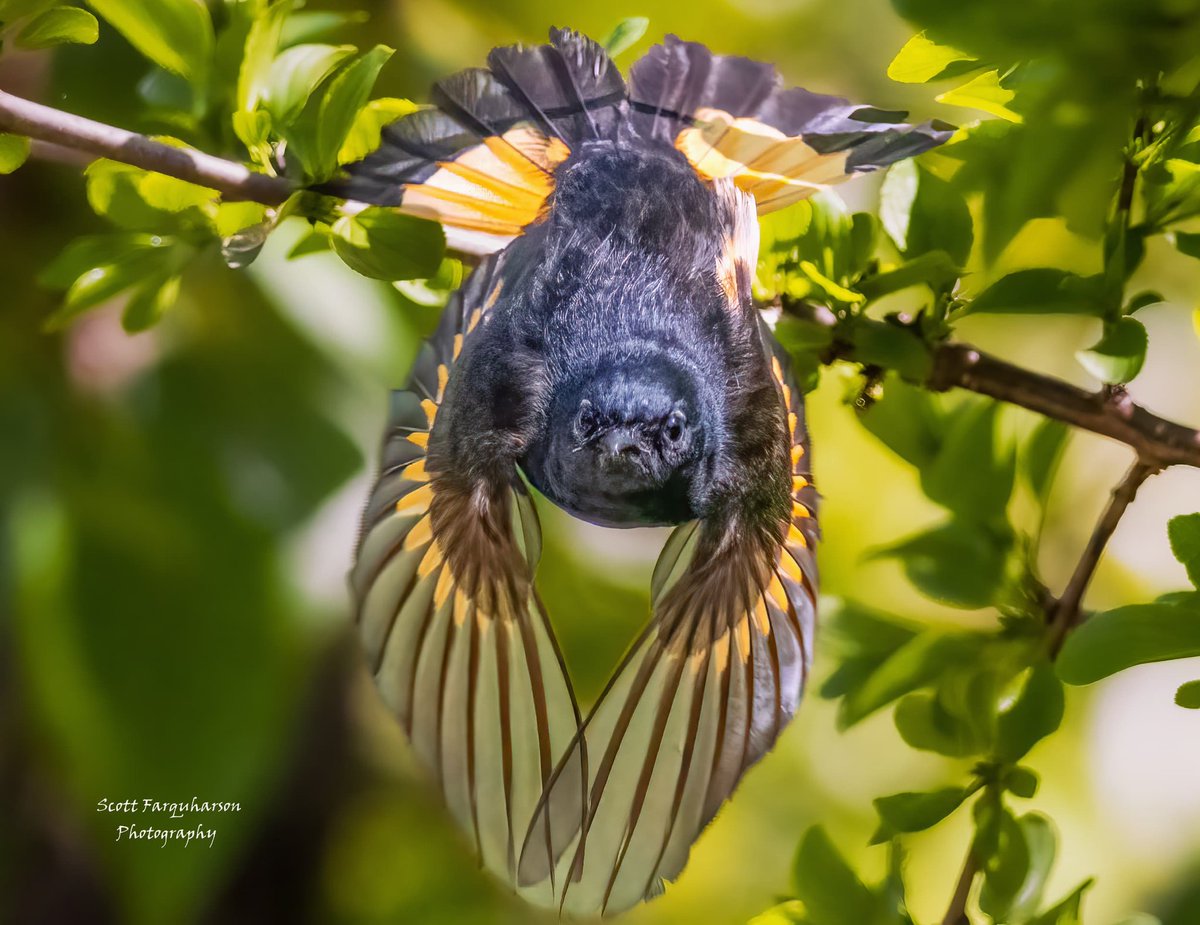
[775, 169]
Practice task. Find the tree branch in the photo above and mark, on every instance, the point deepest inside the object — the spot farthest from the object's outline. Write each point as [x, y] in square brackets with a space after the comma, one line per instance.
[956, 914]
[1108, 412]
[1066, 612]
[232, 180]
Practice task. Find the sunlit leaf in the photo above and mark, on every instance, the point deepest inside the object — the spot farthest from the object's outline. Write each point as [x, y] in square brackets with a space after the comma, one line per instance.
[295, 74]
[625, 35]
[925, 725]
[383, 244]
[1119, 354]
[984, 93]
[347, 94]
[14, 151]
[363, 137]
[1134, 635]
[922, 59]
[1016, 874]
[65, 24]
[177, 34]
[262, 42]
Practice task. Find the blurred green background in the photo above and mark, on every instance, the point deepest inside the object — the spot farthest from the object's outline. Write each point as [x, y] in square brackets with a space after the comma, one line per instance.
[179, 508]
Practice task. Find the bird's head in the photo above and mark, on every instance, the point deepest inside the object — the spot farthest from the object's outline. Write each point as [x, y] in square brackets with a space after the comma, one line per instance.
[626, 443]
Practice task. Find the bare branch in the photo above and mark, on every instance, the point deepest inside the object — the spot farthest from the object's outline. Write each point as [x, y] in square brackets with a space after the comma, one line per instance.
[956, 914]
[232, 180]
[1066, 612]
[1111, 413]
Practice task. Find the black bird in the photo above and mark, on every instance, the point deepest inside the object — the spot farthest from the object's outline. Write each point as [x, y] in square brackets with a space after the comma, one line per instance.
[606, 348]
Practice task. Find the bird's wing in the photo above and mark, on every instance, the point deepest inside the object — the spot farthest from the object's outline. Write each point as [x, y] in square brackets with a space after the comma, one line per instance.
[700, 697]
[482, 162]
[447, 613]
[732, 117]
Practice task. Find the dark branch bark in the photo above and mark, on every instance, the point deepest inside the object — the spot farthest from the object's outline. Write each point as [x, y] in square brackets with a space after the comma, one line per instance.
[1067, 612]
[956, 914]
[1112, 414]
[232, 180]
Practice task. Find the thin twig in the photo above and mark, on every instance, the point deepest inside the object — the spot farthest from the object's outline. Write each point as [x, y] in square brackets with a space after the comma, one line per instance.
[1066, 612]
[956, 914]
[232, 180]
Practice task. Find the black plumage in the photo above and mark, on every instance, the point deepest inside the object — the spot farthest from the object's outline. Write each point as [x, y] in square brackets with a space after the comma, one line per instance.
[608, 351]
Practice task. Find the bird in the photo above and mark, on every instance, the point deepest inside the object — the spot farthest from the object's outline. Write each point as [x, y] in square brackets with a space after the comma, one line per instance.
[606, 353]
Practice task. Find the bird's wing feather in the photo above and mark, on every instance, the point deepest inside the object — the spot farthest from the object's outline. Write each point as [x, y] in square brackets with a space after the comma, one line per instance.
[453, 630]
[699, 698]
[732, 117]
[482, 162]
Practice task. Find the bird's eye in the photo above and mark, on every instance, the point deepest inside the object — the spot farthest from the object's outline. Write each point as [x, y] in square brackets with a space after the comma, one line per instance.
[586, 420]
[674, 426]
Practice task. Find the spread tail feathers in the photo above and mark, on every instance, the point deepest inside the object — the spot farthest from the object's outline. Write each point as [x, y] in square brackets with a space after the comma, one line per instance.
[483, 161]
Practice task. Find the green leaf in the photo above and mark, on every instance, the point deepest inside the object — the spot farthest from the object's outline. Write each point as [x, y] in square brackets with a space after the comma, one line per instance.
[12, 10]
[59, 26]
[984, 93]
[1036, 712]
[340, 105]
[906, 420]
[232, 217]
[1188, 243]
[1066, 912]
[926, 725]
[1016, 875]
[922, 213]
[1119, 354]
[1042, 454]
[384, 244]
[1021, 782]
[911, 666]
[315, 242]
[922, 60]
[625, 35]
[1042, 291]
[90, 251]
[959, 563]
[262, 43]
[1184, 533]
[170, 195]
[295, 74]
[935, 269]
[1188, 695]
[176, 34]
[915, 812]
[318, 25]
[830, 890]
[14, 151]
[364, 134]
[891, 346]
[101, 283]
[1134, 635]
[1141, 300]
[147, 307]
[790, 912]
[971, 474]
[861, 639]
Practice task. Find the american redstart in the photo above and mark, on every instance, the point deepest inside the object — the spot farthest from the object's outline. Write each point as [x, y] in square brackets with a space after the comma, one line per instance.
[608, 349]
